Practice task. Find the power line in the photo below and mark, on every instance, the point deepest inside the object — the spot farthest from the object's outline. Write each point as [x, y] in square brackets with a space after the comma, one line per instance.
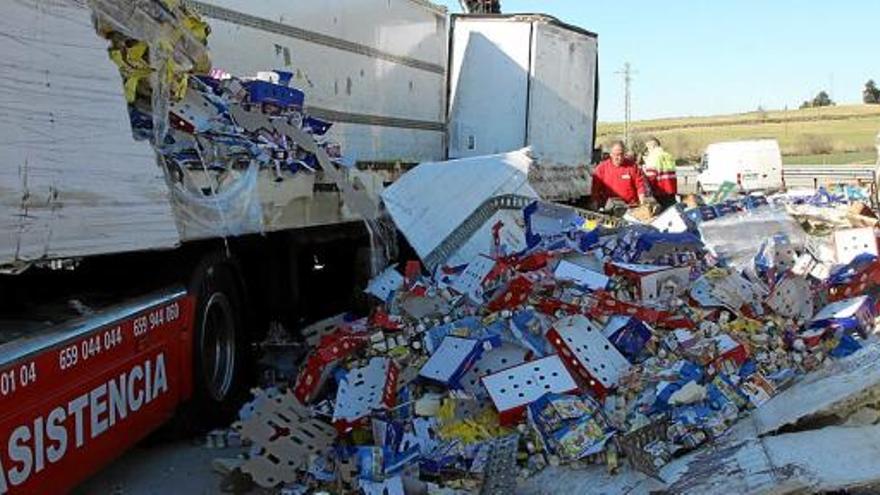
[627, 74]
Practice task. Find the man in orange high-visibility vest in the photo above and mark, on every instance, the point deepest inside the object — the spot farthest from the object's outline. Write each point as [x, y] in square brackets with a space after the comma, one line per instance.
[660, 173]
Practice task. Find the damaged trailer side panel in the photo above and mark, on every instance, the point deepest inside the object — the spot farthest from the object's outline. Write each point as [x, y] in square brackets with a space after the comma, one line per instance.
[76, 183]
[376, 69]
[73, 181]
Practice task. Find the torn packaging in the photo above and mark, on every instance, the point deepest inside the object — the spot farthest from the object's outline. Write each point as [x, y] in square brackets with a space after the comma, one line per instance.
[470, 281]
[775, 257]
[364, 390]
[588, 355]
[453, 358]
[549, 219]
[652, 247]
[384, 285]
[629, 335]
[606, 305]
[701, 293]
[321, 362]
[199, 112]
[792, 297]
[758, 389]
[514, 294]
[528, 329]
[566, 270]
[861, 275]
[736, 292]
[674, 220]
[513, 389]
[411, 273]
[850, 243]
[507, 355]
[571, 426]
[849, 315]
[656, 283]
[551, 226]
[421, 205]
[729, 349]
[287, 436]
[422, 306]
[551, 307]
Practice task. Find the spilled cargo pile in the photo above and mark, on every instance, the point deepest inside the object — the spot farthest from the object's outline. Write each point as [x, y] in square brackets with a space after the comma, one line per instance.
[567, 339]
[201, 119]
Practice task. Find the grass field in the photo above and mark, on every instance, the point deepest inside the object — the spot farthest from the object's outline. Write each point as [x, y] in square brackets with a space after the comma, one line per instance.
[831, 135]
[853, 158]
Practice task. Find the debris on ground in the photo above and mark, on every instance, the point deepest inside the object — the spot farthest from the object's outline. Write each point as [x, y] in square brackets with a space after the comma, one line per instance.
[533, 336]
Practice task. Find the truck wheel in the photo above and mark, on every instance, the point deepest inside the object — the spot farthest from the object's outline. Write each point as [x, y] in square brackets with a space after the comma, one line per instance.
[219, 345]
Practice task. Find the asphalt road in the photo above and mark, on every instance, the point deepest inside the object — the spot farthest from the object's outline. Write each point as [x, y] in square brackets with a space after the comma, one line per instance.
[163, 469]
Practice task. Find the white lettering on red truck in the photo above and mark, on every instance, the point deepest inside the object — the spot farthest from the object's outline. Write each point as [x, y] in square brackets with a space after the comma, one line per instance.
[48, 438]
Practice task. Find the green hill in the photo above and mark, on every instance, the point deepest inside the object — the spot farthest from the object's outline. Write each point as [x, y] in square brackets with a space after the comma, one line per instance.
[838, 134]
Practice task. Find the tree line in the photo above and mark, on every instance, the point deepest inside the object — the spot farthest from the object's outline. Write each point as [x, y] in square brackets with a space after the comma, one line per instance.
[870, 96]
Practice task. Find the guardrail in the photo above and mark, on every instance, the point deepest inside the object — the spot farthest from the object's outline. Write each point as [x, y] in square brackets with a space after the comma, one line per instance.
[812, 176]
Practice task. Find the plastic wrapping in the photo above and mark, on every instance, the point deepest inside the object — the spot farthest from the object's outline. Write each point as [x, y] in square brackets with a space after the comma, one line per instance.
[176, 38]
[207, 130]
[383, 243]
[153, 20]
[233, 211]
[737, 237]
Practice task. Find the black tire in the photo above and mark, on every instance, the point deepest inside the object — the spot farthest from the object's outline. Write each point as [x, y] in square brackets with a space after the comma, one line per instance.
[219, 346]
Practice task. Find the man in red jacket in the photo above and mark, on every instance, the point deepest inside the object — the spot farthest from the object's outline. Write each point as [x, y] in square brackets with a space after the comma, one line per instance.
[618, 177]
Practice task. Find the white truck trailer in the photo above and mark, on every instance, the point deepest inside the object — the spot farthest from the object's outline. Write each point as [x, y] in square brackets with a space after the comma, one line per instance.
[525, 80]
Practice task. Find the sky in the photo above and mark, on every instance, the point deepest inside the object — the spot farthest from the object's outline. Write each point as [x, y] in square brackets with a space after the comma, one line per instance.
[708, 57]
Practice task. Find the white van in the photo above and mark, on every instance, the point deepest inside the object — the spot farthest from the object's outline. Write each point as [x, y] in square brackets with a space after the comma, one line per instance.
[752, 165]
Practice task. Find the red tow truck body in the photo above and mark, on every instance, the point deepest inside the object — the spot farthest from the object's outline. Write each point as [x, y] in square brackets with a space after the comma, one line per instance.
[76, 395]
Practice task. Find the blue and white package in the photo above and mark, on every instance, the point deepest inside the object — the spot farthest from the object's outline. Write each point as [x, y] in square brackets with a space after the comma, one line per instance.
[855, 314]
[453, 358]
[629, 335]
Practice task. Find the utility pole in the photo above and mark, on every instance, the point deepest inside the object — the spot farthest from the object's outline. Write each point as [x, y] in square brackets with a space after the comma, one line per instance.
[627, 74]
[831, 86]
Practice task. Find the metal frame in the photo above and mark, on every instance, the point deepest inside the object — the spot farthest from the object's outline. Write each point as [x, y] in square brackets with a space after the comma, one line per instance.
[455, 240]
[63, 333]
